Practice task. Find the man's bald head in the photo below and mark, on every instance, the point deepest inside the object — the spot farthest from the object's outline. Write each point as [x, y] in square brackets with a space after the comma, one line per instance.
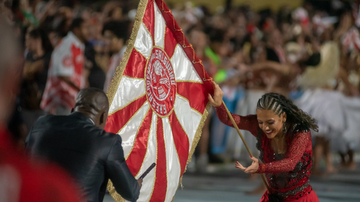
[92, 98]
[94, 103]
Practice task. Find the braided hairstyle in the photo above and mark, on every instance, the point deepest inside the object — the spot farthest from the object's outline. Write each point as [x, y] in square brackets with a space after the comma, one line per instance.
[279, 104]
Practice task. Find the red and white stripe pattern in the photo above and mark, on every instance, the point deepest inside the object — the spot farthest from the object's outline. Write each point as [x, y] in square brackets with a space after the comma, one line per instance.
[150, 135]
[67, 60]
[58, 93]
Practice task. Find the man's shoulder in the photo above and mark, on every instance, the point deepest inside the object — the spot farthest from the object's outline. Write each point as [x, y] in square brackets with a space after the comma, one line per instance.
[44, 118]
[48, 118]
[59, 122]
[110, 136]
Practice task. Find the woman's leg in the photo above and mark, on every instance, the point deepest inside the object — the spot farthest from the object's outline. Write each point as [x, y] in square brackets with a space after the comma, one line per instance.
[351, 163]
[318, 152]
[343, 162]
[330, 169]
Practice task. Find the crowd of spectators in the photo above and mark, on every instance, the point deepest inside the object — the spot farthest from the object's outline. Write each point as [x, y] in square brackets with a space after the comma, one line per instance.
[72, 44]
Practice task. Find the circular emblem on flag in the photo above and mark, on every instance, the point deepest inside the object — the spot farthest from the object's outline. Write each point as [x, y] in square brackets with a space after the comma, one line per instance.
[160, 82]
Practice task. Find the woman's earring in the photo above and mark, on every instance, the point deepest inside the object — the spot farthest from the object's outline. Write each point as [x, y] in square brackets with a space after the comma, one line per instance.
[284, 128]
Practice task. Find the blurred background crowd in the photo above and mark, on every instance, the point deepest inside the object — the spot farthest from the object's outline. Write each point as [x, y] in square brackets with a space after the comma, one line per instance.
[309, 53]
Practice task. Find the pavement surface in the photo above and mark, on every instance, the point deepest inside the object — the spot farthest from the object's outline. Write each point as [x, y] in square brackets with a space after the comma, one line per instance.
[224, 183]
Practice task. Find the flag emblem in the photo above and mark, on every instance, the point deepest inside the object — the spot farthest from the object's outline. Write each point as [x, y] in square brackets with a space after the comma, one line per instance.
[160, 82]
[158, 101]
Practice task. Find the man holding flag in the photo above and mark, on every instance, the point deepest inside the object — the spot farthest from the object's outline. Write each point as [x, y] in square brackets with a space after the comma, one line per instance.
[79, 144]
[158, 106]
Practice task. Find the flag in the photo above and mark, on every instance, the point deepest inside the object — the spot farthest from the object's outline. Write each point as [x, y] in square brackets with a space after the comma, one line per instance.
[158, 101]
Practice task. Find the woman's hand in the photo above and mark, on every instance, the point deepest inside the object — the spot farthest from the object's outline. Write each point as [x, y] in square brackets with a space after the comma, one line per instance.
[216, 100]
[253, 168]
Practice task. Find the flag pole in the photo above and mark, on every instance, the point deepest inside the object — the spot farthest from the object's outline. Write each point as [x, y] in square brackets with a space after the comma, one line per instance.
[243, 140]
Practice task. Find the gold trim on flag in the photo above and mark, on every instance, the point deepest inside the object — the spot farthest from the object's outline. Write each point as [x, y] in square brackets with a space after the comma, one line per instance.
[195, 141]
[119, 74]
[130, 46]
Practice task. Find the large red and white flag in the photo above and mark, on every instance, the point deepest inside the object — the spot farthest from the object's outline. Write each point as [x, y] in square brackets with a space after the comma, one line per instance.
[158, 101]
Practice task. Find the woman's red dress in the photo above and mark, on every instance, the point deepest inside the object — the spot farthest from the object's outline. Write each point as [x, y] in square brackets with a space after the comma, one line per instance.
[288, 174]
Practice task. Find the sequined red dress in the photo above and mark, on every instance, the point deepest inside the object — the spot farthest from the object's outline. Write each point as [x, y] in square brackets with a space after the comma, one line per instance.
[287, 174]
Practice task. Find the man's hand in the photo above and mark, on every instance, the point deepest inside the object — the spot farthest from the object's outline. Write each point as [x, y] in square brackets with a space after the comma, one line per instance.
[140, 181]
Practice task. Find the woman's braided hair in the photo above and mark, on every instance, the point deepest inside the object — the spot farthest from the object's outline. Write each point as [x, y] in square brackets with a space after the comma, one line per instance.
[279, 104]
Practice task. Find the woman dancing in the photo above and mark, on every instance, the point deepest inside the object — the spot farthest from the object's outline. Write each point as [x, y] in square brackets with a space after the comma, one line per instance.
[284, 140]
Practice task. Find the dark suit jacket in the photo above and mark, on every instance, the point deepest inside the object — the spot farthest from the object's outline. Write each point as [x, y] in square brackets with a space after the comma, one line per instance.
[91, 155]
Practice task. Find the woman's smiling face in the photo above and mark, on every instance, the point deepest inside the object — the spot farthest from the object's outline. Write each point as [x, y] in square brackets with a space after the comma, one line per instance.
[270, 123]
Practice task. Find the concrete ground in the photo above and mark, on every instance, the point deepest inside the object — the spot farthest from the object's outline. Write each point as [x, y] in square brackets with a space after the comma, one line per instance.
[224, 183]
